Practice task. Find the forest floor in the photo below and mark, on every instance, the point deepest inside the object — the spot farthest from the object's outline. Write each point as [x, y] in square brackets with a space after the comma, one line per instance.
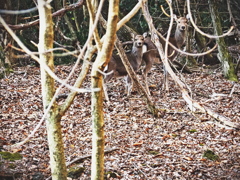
[181, 145]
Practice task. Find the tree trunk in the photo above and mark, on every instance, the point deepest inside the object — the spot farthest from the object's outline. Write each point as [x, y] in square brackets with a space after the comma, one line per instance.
[223, 55]
[97, 97]
[56, 149]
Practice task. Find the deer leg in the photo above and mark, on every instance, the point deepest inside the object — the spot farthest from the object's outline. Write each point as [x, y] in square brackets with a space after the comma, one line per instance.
[128, 88]
[146, 83]
[105, 91]
[106, 79]
[165, 80]
[147, 68]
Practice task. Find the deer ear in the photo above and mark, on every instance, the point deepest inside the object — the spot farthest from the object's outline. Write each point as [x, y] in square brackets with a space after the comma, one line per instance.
[175, 17]
[188, 16]
[145, 35]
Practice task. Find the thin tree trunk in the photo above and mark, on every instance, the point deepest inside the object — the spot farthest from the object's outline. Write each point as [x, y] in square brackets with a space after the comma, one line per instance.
[97, 97]
[54, 134]
[223, 55]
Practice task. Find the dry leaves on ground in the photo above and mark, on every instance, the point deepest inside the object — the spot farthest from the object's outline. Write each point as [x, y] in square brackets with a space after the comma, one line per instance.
[171, 147]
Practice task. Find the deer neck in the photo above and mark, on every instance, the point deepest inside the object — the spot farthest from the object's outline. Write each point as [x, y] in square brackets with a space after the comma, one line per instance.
[137, 53]
[180, 38]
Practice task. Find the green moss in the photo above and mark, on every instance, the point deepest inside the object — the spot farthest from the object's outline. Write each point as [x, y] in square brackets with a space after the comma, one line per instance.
[11, 156]
[75, 172]
[210, 155]
[192, 131]
[12, 166]
[153, 152]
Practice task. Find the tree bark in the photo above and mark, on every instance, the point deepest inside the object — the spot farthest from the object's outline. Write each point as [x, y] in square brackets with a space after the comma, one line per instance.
[54, 134]
[97, 97]
[223, 54]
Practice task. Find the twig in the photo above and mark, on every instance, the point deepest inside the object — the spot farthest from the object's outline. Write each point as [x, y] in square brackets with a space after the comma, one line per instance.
[2, 11]
[130, 14]
[230, 95]
[139, 170]
[163, 10]
[186, 53]
[89, 156]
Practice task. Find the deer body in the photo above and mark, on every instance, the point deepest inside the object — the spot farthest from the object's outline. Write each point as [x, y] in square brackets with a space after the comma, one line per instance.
[135, 58]
[152, 56]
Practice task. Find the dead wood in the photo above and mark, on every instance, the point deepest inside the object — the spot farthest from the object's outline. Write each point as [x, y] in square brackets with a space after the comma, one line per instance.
[89, 156]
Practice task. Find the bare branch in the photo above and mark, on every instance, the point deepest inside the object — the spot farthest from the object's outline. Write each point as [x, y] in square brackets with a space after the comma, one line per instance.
[63, 83]
[60, 12]
[2, 11]
[201, 32]
[130, 14]
[50, 72]
[71, 96]
[186, 53]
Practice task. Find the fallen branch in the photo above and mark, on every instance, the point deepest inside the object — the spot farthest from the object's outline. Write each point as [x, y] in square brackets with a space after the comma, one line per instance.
[85, 157]
[89, 156]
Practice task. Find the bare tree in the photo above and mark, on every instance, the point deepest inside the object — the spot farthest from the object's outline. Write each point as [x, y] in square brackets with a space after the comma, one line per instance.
[97, 97]
[55, 142]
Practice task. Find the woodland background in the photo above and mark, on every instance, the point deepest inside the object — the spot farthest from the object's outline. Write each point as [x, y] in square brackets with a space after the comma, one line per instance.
[138, 145]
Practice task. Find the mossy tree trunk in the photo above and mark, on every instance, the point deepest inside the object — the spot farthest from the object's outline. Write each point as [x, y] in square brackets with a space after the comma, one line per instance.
[102, 59]
[54, 134]
[223, 54]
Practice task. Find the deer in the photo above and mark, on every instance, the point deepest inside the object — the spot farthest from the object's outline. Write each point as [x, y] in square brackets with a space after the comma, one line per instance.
[152, 56]
[118, 69]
